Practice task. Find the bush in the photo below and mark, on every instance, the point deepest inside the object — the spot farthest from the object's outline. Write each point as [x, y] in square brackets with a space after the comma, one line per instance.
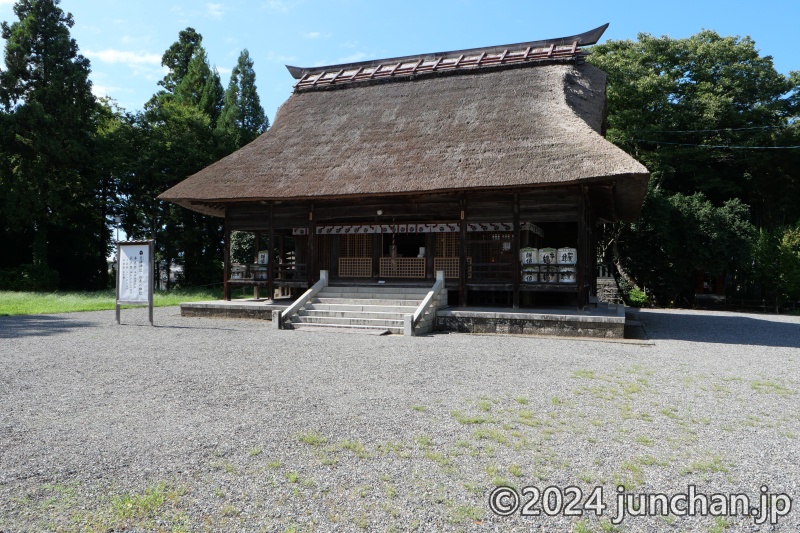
[637, 298]
[28, 278]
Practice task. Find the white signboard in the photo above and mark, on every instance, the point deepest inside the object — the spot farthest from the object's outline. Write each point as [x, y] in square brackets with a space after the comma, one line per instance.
[135, 274]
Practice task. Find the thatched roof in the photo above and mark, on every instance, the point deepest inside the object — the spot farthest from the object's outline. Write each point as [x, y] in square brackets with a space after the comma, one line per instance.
[503, 127]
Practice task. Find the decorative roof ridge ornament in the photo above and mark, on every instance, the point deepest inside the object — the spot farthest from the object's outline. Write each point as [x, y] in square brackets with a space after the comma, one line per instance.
[501, 53]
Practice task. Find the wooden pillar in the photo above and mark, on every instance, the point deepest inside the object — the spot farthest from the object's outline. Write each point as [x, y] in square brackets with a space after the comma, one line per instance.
[377, 252]
[462, 263]
[256, 244]
[582, 249]
[226, 269]
[271, 257]
[430, 250]
[311, 259]
[515, 263]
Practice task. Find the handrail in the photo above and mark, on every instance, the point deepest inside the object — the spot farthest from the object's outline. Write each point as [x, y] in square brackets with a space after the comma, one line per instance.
[301, 302]
[412, 321]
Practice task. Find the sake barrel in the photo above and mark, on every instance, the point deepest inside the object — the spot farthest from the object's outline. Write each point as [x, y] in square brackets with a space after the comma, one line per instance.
[548, 274]
[567, 256]
[547, 256]
[530, 274]
[566, 274]
[529, 256]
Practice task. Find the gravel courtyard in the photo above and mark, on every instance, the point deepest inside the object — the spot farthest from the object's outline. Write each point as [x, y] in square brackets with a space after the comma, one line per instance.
[222, 425]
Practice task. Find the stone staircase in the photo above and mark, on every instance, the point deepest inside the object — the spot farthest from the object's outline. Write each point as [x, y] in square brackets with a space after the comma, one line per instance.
[371, 309]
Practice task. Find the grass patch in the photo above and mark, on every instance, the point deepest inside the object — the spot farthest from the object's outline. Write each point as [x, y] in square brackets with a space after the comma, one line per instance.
[312, 438]
[712, 464]
[40, 303]
[770, 387]
[138, 507]
[468, 419]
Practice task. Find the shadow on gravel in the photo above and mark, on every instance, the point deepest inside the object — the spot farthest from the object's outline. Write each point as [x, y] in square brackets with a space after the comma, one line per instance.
[13, 327]
[722, 329]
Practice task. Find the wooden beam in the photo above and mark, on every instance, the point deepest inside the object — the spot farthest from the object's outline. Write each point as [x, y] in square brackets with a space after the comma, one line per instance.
[256, 243]
[319, 78]
[271, 262]
[226, 269]
[515, 246]
[550, 50]
[580, 265]
[357, 72]
[462, 260]
[311, 259]
[335, 76]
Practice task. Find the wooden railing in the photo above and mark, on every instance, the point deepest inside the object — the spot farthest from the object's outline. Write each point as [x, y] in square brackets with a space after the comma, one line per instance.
[355, 267]
[492, 271]
[402, 267]
[450, 266]
[290, 271]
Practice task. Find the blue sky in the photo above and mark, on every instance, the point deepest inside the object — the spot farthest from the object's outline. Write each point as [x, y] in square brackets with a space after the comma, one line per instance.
[125, 39]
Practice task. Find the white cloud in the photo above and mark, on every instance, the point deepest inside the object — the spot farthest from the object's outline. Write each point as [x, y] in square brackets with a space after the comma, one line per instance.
[225, 71]
[272, 57]
[278, 5]
[312, 35]
[215, 11]
[123, 56]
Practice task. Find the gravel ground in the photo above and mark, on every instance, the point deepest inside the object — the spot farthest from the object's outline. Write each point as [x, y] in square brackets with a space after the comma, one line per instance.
[230, 425]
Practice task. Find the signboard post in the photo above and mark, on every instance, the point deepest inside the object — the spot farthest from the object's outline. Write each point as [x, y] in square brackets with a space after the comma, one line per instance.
[135, 272]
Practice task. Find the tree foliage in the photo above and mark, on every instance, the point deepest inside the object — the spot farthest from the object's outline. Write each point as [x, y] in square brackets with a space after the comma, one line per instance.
[243, 118]
[51, 196]
[677, 104]
[179, 133]
[699, 112]
[678, 235]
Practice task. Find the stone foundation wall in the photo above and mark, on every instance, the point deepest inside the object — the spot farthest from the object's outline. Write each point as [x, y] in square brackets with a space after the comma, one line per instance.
[519, 326]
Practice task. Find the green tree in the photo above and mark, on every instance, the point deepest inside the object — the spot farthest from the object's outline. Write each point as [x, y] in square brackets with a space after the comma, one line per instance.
[698, 113]
[243, 119]
[178, 56]
[776, 264]
[49, 186]
[679, 235]
[172, 139]
[201, 86]
[678, 104]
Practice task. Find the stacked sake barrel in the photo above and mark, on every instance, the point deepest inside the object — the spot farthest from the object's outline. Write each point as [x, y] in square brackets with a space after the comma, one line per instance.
[548, 265]
[529, 259]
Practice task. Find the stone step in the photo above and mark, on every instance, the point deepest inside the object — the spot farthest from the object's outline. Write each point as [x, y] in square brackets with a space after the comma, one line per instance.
[391, 315]
[377, 290]
[373, 295]
[362, 330]
[376, 330]
[366, 301]
[344, 307]
[344, 321]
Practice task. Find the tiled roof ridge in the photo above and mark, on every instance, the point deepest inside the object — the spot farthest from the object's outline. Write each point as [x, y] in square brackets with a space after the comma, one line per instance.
[548, 50]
